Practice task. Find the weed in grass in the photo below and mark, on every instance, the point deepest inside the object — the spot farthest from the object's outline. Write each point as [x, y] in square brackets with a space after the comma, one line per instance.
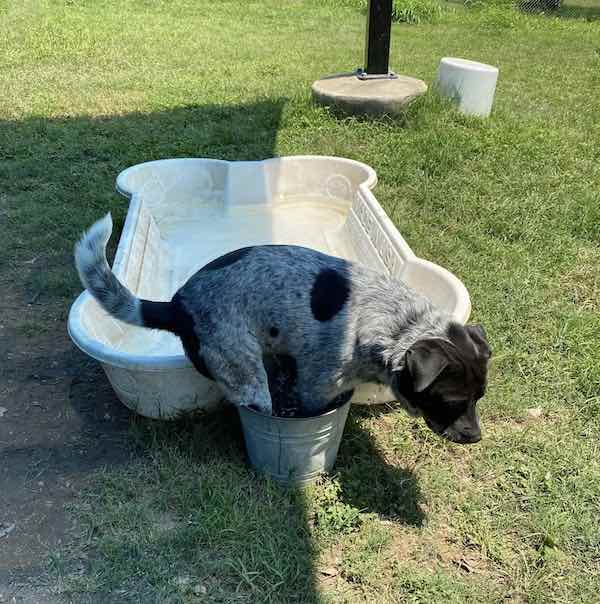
[403, 11]
[331, 515]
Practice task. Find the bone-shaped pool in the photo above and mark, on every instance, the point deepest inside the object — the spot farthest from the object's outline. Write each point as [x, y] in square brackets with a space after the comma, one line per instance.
[184, 213]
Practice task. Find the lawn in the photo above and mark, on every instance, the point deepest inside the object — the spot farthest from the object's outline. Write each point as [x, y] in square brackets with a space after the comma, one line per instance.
[511, 205]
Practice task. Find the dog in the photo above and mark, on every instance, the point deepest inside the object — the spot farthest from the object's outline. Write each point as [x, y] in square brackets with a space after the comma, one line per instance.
[331, 324]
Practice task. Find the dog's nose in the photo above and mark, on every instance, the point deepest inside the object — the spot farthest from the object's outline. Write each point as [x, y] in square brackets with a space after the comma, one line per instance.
[470, 437]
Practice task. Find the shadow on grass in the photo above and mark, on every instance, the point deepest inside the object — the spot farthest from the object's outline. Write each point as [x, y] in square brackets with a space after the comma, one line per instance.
[192, 513]
[59, 176]
[185, 513]
[368, 482]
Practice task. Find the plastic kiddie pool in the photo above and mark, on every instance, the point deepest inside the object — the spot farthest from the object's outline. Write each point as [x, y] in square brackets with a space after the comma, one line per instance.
[183, 213]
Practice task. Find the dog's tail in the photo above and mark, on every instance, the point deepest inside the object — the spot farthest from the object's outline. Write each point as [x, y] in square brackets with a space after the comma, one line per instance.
[111, 294]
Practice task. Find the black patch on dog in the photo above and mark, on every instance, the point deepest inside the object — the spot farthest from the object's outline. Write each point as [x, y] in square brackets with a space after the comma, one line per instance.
[282, 374]
[184, 328]
[227, 259]
[273, 332]
[157, 315]
[329, 293]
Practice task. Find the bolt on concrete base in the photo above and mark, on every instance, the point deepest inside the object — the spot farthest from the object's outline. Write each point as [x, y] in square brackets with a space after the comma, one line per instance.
[355, 96]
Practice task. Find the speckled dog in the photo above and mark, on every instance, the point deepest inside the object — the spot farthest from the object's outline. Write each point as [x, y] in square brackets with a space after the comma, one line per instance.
[331, 323]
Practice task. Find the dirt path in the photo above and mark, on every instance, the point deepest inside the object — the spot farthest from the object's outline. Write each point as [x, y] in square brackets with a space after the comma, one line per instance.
[59, 420]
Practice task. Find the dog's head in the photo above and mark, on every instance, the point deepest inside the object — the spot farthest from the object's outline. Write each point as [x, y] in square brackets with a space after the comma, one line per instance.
[443, 378]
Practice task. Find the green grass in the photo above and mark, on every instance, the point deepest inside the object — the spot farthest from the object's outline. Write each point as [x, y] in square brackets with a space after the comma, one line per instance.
[511, 205]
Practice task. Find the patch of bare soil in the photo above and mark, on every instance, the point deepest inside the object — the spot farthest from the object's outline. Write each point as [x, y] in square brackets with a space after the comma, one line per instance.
[59, 421]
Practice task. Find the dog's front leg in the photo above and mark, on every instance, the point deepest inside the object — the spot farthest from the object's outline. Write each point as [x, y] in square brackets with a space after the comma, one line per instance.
[241, 375]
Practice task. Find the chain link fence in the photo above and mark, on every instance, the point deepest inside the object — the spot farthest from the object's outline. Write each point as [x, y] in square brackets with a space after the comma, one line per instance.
[573, 9]
[429, 11]
[569, 9]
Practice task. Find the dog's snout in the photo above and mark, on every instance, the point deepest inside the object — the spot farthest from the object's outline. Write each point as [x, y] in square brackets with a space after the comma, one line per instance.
[463, 438]
[467, 429]
[460, 433]
[470, 437]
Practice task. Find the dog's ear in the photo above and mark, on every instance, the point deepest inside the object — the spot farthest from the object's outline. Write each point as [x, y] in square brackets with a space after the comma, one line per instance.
[425, 360]
[478, 335]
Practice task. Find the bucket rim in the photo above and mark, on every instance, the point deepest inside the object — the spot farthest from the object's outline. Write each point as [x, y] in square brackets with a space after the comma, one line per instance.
[247, 410]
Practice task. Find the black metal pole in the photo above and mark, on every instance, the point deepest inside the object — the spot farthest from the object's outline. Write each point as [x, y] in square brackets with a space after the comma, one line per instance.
[377, 47]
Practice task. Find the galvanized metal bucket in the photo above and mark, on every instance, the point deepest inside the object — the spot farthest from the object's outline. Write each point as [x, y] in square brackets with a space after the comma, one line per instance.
[293, 450]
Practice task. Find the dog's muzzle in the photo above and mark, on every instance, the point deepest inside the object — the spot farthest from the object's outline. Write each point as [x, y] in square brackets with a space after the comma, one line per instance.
[466, 436]
[408, 407]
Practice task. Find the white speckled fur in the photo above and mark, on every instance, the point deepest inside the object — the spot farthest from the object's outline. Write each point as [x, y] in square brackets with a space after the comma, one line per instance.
[97, 277]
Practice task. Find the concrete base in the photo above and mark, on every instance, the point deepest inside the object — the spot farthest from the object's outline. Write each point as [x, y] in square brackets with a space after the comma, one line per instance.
[352, 95]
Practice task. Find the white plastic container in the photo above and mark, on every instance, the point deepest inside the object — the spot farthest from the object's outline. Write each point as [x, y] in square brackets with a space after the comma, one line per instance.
[184, 213]
[469, 83]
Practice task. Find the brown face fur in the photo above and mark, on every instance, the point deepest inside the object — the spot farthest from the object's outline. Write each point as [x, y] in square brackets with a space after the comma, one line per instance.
[443, 379]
